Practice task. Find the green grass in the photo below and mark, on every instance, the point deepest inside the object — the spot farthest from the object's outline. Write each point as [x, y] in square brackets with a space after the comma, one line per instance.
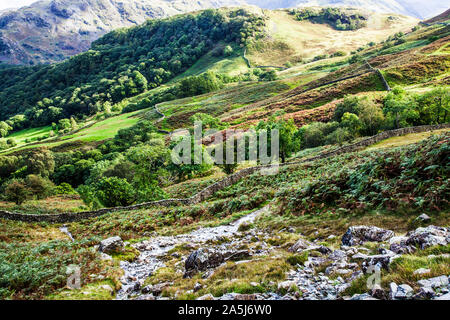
[405, 140]
[31, 135]
[233, 65]
[100, 131]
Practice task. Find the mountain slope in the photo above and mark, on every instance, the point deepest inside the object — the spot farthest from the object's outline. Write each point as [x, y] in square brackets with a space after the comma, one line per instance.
[50, 31]
[415, 8]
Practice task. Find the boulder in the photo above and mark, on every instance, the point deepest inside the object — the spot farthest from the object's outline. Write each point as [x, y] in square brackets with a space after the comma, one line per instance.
[379, 260]
[110, 245]
[208, 296]
[422, 271]
[428, 237]
[403, 292]
[302, 245]
[424, 294]
[434, 283]
[423, 218]
[202, 260]
[364, 296]
[445, 297]
[357, 235]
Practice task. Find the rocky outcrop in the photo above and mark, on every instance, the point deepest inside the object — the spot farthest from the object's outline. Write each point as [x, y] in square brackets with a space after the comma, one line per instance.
[357, 235]
[429, 236]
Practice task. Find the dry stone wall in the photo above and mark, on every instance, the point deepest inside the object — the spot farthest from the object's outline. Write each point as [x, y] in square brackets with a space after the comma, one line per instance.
[210, 190]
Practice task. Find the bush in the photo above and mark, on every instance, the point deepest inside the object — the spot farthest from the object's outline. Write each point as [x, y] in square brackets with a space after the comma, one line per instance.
[64, 188]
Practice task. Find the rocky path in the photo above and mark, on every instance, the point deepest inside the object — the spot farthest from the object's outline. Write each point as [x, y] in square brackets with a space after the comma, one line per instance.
[152, 251]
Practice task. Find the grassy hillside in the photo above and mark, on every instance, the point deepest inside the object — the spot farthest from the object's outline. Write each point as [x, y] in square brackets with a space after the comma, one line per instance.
[290, 40]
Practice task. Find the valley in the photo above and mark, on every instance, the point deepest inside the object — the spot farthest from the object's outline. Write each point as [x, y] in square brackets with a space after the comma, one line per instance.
[87, 180]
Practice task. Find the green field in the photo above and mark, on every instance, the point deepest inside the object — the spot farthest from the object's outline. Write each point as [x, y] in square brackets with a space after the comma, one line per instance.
[102, 130]
[30, 135]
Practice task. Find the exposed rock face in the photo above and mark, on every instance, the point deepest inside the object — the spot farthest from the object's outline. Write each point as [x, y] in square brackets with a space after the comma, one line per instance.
[52, 30]
[110, 245]
[357, 235]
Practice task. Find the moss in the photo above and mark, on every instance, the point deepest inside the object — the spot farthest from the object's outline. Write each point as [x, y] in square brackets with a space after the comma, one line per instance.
[245, 227]
[128, 254]
[92, 291]
[300, 259]
[402, 269]
[358, 286]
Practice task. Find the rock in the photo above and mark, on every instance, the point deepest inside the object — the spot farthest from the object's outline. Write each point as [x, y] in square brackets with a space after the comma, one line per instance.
[208, 296]
[404, 292]
[237, 255]
[378, 292]
[286, 285]
[379, 260]
[402, 248]
[422, 271]
[392, 290]
[302, 245]
[105, 257]
[158, 288]
[424, 293]
[331, 237]
[147, 289]
[429, 236]
[201, 260]
[364, 296]
[445, 297]
[357, 235]
[108, 288]
[113, 244]
[337, 255]
[434, 283]
[324, 250]
[245, 297]
[197, 287]
[423, 218]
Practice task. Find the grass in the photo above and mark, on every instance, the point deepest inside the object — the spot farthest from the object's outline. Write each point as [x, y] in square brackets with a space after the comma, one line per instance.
[405, 140]
[51, 205]
[292, 40]
[232, 65]
[29, 135]
[100, 131]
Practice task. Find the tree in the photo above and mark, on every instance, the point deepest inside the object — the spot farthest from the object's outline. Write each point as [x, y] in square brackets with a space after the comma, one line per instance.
[17, 192]
[401, 107]
[351, 122]
[39, 187]
[371, 117]
[114, 192]
[350, 104]
[40, 161]
[289, 141]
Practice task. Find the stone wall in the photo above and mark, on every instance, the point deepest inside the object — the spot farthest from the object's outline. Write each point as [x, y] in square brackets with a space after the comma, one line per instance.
[210, 190]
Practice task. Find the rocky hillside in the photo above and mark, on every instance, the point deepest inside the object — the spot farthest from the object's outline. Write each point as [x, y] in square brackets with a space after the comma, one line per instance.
[50, 31]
